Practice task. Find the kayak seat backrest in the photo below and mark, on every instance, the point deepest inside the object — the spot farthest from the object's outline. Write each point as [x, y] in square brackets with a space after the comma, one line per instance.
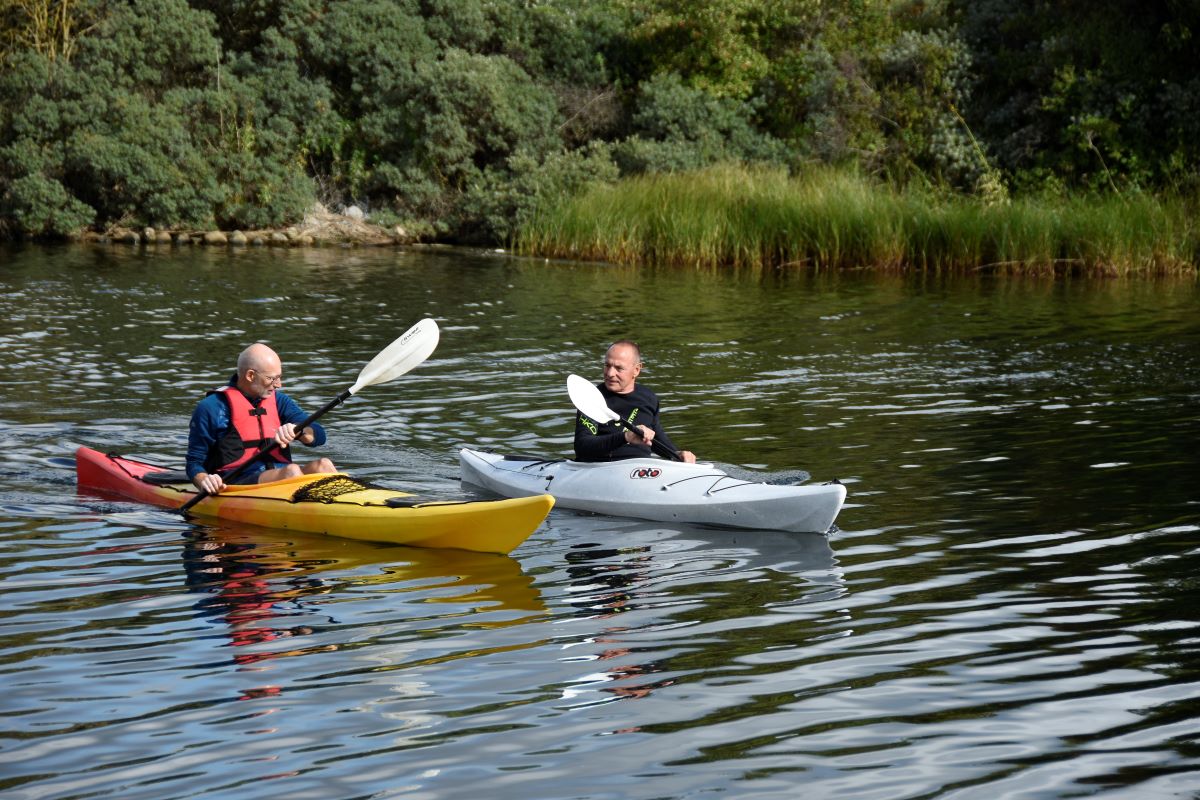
[405, 502]
[166, 477]
[415, 501]
[538, 461]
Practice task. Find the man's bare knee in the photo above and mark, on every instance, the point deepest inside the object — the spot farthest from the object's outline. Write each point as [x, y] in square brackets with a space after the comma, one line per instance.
[319, 465]
[280, 473]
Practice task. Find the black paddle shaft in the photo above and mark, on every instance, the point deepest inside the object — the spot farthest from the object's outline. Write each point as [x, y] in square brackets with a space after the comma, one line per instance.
[270, 446]
[659, 447]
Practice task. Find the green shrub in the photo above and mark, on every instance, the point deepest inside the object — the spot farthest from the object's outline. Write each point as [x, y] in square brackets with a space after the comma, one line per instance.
[677, 128]
[507, 198]
[103, 138]
[35, 205]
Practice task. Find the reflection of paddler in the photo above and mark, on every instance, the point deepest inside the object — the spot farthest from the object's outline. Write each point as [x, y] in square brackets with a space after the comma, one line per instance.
[593, 568]
[251, 571]
[589, 568]
[246, 591]
[627, 672]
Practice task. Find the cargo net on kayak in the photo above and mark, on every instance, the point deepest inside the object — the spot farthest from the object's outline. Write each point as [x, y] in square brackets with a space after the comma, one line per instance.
[329, 489]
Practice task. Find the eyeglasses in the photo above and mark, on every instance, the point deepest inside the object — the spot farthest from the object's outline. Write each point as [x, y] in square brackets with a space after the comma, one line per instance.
[270, 379]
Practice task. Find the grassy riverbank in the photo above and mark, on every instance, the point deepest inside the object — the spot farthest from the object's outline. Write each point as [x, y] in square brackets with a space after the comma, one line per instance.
[764, 219]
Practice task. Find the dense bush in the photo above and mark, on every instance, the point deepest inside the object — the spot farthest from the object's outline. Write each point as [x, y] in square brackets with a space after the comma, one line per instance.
[106, 136]
[509, 195]
[677, 128]
[1100, 97]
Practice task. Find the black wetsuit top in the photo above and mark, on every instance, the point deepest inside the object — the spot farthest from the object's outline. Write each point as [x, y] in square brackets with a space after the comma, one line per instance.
[606, 442]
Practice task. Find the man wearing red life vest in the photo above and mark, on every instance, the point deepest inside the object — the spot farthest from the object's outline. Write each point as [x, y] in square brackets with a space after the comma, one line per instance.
[230, 425]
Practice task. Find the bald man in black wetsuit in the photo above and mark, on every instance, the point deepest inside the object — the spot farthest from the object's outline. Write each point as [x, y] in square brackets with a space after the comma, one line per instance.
[635, 404]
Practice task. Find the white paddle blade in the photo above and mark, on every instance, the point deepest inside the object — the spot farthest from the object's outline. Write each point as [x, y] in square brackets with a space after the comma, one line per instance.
[587, 398]
[413, 347]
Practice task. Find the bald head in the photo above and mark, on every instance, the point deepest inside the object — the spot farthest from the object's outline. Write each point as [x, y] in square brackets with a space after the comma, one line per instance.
[257, 357]
[259, 370]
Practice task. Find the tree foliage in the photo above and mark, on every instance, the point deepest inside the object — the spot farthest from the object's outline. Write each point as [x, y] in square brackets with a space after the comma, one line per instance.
[463, 115]
[106, 135]
[1093, 96]
[678, 128]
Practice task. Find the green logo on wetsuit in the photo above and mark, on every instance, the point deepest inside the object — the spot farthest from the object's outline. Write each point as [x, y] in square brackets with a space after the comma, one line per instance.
[591, 426]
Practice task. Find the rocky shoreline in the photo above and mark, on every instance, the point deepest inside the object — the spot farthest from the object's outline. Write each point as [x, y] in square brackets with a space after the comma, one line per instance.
[319, 227]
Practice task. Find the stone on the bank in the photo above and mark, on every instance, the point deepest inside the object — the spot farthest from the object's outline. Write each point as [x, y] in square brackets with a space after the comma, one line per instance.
[354, 212]
[278, 238]
[237, 238]
[215, 238]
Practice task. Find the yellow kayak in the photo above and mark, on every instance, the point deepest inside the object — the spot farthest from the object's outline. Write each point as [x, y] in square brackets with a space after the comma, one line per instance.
[336, 505]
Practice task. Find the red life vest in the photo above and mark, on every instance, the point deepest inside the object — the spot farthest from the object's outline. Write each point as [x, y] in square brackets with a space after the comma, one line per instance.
[251, 428]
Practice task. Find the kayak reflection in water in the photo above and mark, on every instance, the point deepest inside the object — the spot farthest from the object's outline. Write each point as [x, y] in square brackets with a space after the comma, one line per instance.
[231, 423]
[635, 404]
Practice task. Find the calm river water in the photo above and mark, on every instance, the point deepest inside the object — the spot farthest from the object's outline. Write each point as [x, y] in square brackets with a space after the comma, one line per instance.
[1008, 607]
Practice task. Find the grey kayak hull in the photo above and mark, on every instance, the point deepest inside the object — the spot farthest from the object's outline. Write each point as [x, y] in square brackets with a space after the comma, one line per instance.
[654, 489]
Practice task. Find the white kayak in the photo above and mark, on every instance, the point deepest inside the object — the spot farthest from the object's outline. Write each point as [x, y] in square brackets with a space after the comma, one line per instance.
[655, 489]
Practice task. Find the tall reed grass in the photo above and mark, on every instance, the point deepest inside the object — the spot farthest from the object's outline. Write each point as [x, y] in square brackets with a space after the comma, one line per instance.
[762, 219]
